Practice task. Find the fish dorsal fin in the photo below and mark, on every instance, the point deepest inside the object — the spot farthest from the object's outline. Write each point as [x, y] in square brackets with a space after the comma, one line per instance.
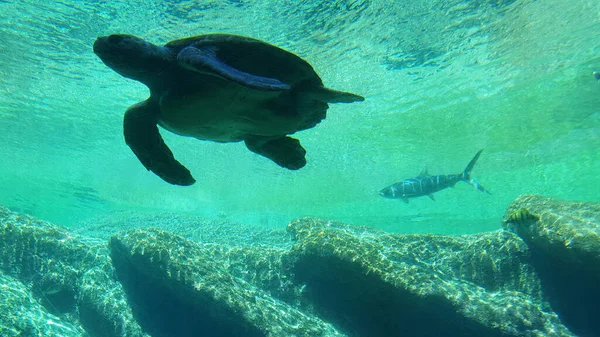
[423, 172]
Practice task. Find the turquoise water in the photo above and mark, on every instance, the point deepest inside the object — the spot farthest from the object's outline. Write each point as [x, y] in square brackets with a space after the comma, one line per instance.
[442, 79]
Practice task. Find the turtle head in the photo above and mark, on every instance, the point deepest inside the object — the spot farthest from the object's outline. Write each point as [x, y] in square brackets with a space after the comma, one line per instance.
[133, 57]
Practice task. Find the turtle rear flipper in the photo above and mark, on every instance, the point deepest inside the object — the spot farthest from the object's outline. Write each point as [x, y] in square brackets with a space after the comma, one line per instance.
[142, 136]
[205, 60]
[284, 151]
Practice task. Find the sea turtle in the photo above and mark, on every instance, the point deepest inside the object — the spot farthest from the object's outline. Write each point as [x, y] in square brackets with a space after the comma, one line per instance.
[218, 87]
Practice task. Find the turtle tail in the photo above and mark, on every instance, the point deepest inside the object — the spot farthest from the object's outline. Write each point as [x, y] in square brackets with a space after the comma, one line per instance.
[327, 95]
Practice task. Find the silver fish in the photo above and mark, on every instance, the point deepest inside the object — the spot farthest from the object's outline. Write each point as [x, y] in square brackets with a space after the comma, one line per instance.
[426, 184]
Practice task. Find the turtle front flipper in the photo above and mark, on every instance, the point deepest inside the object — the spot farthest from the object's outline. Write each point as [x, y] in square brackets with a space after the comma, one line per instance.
[205, 60]
[285, 151]
[142, 136]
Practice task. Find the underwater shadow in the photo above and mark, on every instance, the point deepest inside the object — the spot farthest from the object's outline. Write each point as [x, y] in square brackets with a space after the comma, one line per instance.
[572, 292]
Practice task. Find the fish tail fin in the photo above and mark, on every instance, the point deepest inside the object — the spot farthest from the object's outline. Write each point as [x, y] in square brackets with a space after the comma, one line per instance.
[466, 175]
[478, 186]
[469, 168]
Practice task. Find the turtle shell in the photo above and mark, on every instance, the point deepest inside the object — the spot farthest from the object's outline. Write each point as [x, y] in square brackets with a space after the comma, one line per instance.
[255, 57]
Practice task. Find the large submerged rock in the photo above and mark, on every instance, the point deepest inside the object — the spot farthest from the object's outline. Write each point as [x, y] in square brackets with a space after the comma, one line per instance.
[178, 289]
[22, 315]
[564, 238]
[567, 232]
[377, 284]
[68, 275]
